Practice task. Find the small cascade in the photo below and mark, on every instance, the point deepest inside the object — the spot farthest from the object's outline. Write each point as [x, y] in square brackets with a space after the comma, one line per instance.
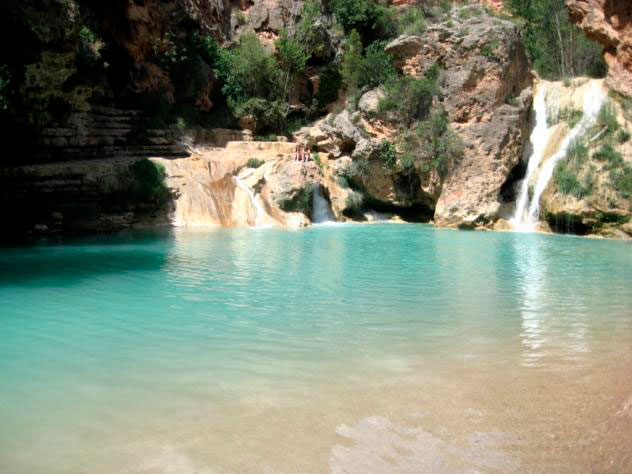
[321, 212]
[539, 138]
[593, 101]
[256, 203]
[527, 211]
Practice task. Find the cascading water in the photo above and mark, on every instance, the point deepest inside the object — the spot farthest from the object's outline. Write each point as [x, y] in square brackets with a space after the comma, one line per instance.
[260, 211]
[593, 100]
[321, 212]
[539, 138]
[528, 211]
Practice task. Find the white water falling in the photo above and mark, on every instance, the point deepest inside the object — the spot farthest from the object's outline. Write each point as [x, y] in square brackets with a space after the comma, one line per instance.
[593, 100]
[260, 211]
[539, 138]
[321, 212]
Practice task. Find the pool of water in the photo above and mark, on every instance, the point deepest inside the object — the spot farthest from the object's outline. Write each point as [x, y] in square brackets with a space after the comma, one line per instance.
[350, 348]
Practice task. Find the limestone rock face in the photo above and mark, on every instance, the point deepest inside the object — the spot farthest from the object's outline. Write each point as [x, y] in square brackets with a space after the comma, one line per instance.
[289, 184]
[610, 23]
[485, 89]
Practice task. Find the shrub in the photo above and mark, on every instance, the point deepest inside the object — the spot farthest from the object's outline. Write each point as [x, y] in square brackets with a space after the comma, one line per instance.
[368, 71]
[149, 182]
[370, 19]
[489, 49]
[622, 180]
[433, 145]
[566, 181]
[254, 163]
[387, 153]
[623, 136]
[577, 151]
[330, 82]
[269, 115]
[407, 99]
[607, 118]
[608, 154]
[377, 66]
[411, 21]
[318, 160]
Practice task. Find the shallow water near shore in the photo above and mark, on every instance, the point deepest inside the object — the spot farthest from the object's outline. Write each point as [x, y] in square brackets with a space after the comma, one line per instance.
[356, 349]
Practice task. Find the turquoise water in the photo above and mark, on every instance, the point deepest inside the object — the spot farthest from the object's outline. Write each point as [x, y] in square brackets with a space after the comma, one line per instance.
[284, 351]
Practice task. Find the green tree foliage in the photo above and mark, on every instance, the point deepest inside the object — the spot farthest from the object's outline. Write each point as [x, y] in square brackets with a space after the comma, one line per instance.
[407, 99]
[556, 47]
[370, 19]
[432, 145]
[370, 70]
[387, 153]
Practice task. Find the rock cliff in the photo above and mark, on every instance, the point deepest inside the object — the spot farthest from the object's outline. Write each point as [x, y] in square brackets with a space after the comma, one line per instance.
[610, 23]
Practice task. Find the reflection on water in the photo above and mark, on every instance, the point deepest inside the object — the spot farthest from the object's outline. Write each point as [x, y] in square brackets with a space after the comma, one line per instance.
[343, 345]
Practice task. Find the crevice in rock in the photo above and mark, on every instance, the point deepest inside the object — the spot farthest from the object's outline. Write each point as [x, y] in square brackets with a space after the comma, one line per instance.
[509, 190]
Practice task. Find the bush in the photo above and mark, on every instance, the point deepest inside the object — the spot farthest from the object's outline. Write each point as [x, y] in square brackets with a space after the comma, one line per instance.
[577, 151]
[623, 136]
[370, 19]
[377, 66]
[608, 154]
[387, 153]
[622, 180]
[407, 99]
[607, 118]
[269, 115]
[433, 145]
[330, 82]
[149, 182]
[254, 163]
[566, 181]
[368, 71]
[411, 21]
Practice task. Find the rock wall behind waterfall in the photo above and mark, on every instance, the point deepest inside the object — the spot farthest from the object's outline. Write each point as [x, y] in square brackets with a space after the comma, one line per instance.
[610, 23]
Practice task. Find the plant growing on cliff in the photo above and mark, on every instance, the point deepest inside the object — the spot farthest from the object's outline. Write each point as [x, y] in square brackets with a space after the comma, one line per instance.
[407, 99]
[149, 182]
[370, 19]
[387, 153]
[433, 145]
[254, 163]
[607, 118]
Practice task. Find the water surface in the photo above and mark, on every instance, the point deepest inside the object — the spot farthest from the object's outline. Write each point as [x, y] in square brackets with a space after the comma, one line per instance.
[378, 348]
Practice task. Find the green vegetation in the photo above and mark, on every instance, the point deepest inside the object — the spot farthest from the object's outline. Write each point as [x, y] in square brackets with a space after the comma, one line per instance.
[565, 176]
[254, 163]
[408, 99]
[432, 145]
[607, 119]
[369, 19]
[556, 47]
[318, 160]
[569, 115]
[149, 182]
[360, 72]
[387, 153]
[623, 136]
[412, 21]
[611, 157]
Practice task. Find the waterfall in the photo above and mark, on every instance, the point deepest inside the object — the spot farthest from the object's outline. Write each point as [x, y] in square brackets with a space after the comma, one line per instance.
[260, 211]
[593, 100]
[321, 212]
[539, 138]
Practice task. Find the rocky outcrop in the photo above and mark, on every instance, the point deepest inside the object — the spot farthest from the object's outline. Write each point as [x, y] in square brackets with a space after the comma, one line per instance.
[485, 91]
[609, 23]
